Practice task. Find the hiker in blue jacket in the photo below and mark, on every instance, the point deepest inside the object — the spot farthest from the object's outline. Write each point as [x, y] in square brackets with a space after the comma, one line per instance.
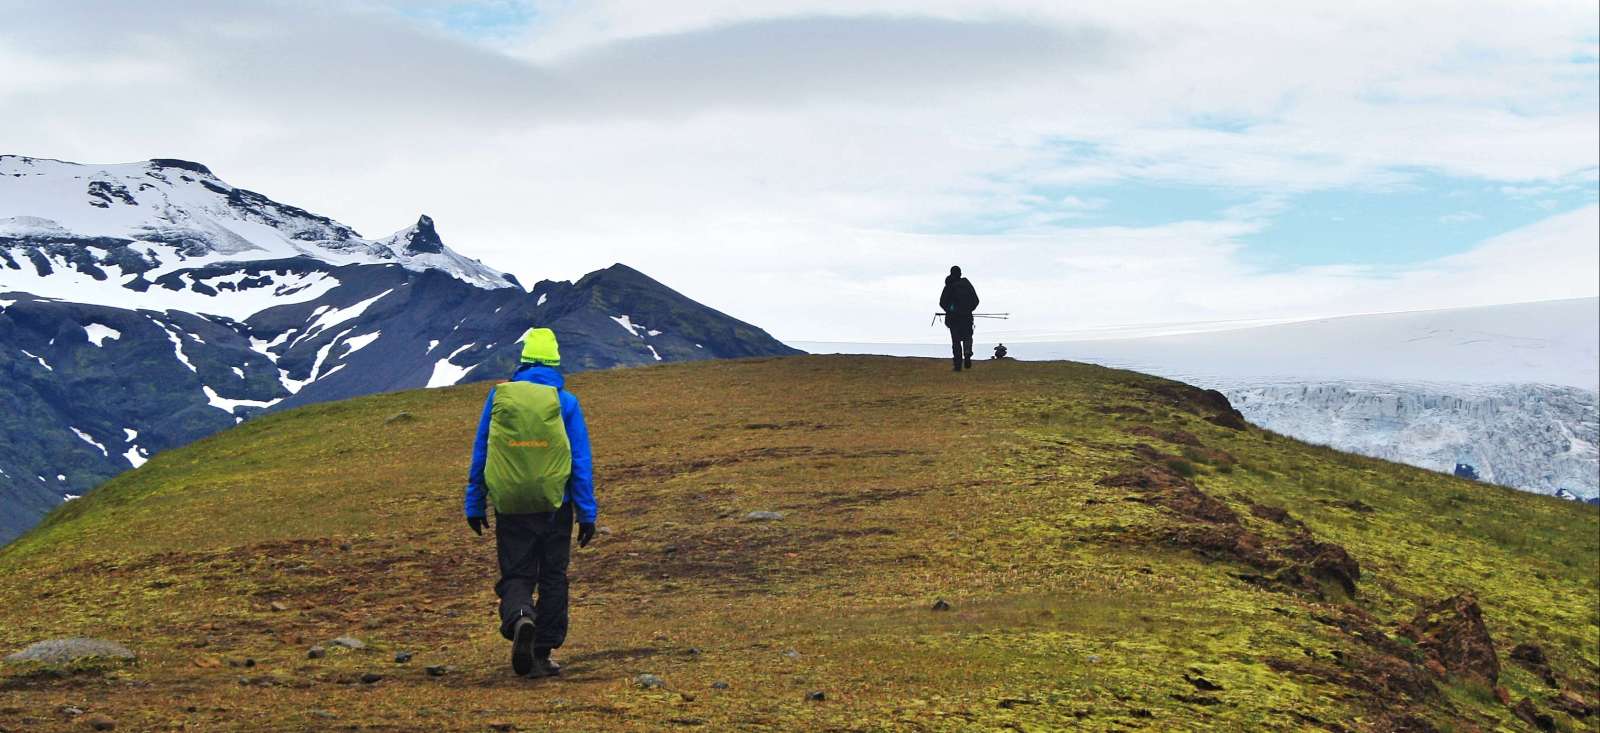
[531, 460]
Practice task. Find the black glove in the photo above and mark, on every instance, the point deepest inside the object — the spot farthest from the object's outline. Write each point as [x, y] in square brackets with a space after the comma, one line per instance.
[585, 533]
[478, 524]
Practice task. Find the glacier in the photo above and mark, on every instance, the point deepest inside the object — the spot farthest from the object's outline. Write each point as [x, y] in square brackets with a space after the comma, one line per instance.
[1541, 438]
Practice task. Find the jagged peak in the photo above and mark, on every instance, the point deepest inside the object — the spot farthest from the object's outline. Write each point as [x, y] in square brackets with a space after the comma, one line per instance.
[180, 164]
[423, 238]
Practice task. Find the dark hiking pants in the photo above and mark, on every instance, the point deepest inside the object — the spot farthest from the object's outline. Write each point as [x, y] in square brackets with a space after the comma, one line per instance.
[960, 337]
[534, 550]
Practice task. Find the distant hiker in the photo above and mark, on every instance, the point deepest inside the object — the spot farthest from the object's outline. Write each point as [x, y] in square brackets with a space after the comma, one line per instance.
[1000, 351]
[532, 459]
[958, 300]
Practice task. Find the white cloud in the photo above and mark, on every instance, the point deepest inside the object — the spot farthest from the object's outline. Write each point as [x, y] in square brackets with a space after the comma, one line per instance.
[801, 164]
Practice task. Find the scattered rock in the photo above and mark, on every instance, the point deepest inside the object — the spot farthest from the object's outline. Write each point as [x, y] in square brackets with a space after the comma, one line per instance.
[1094, 658]
[371, 678]
[764, 516]
[719, 685]
[71, 711]
[816, 696]
[1533, 716]
[686, 696]
[279, 606]
[323, 714]
[1164, 488]
[100, 722]
[1276, 515]
[791, 653]
[941, 605]
[1355, 505]
[604, 530]
[316, 652]
[1178, 437]
[1573, 704]
[62, 651]
[1530, 654]
[207, 662]
[649, 681]
[1532, 658]
[344, 547]
[1451, 631]
[502, 726]
[399, 417]
[402, 657]
[1201, 683]
[1011, 702]
[1326, 561]
[437, 670]
[1230, 420]
[1206, 700]
[349, 642]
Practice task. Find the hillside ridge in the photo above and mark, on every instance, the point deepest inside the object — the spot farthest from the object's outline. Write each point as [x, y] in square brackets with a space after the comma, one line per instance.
[1049, 545]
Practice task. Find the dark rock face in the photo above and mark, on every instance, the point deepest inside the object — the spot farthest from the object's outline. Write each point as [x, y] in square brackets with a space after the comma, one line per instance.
[424, 238]
[416, 329]
[184, 165]
[1451, 632]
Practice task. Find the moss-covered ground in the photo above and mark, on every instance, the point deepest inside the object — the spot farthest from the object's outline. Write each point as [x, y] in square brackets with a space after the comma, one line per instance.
[1111, 560]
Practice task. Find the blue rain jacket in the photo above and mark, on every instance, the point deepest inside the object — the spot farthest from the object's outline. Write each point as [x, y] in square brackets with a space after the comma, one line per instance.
[580, 487]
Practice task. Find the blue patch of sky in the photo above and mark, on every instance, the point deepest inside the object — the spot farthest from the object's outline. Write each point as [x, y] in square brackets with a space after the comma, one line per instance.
[485, 20]
[1427, 216]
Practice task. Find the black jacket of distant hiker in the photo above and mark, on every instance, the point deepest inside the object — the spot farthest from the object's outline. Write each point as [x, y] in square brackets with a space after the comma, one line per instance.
[958, 300]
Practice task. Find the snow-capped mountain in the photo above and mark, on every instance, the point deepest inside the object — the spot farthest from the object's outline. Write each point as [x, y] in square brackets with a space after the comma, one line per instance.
[122, 228]
[145, 305]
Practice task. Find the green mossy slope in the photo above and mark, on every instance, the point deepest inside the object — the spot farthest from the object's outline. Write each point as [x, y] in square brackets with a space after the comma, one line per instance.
[1113, 556]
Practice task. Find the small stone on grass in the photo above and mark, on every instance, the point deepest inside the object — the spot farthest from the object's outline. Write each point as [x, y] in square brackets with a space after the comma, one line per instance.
[349, 642]
[649, 681]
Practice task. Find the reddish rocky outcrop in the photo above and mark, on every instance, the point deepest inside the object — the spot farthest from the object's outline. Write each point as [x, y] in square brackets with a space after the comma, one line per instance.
[1451, 632]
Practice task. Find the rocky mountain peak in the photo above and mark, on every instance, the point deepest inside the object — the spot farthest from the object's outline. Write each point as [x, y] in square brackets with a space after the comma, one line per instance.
[423, 238]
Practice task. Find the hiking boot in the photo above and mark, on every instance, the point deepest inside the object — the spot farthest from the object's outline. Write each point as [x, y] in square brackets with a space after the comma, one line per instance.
[957, 367]
[543, 665]
[522, 659]
[967, 363]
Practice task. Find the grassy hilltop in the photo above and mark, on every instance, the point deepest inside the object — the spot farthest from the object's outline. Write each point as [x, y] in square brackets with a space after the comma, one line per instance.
[1114, 552]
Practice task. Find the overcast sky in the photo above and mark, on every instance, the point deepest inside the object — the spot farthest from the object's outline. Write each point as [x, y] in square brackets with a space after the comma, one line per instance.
[816, 167]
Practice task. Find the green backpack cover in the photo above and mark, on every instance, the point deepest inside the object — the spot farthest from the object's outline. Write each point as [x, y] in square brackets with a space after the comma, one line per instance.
[530, 458]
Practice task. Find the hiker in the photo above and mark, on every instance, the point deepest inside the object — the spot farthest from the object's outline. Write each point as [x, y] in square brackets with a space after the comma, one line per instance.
[1000, 351]
[958, 300]
[532, 459]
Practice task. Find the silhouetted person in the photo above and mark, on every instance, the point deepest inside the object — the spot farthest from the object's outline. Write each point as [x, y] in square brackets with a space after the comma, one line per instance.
[1000, 351]
[958, 301]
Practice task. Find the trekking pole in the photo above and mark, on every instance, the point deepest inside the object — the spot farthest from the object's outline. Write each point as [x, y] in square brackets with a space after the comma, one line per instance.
[996, 316]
